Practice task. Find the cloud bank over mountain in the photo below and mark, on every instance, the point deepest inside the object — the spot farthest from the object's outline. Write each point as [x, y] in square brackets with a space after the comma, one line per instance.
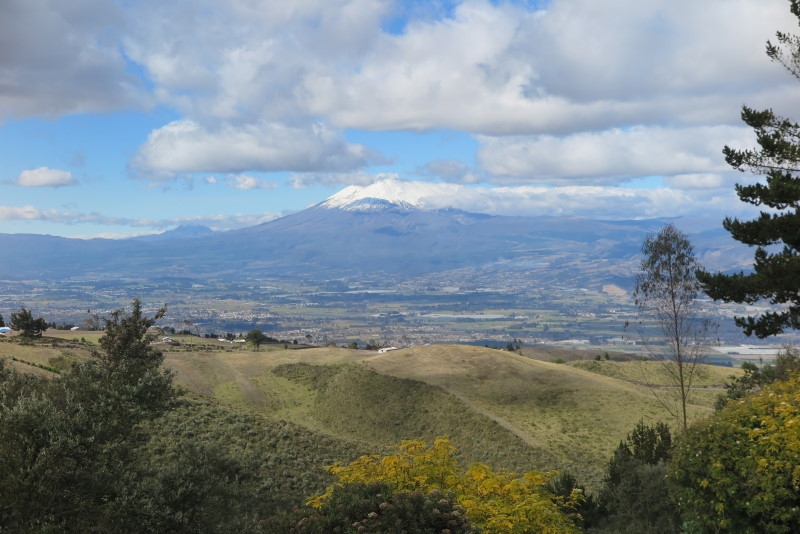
[578, 106]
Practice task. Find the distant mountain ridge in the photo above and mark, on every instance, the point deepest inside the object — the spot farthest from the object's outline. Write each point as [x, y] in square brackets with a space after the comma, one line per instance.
[182, 231]
[382, 228]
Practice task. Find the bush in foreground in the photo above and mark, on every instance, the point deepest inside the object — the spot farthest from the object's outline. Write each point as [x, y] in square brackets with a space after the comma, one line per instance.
[739, 471]
[495, 502]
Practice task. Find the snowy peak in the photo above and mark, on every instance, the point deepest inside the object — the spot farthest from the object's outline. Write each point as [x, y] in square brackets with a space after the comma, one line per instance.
[386, 194]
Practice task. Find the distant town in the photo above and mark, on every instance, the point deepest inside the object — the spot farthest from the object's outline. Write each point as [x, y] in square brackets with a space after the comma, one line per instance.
[458, 307]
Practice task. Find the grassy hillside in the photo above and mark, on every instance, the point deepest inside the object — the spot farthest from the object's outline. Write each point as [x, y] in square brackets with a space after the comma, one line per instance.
[501, 408]
[577, 414]
[354, 402]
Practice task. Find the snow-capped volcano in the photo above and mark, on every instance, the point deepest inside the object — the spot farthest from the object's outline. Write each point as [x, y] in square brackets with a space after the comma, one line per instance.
[379, 196]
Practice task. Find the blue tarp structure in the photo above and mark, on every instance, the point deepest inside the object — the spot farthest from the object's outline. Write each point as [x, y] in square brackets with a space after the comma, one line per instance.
[4, 329]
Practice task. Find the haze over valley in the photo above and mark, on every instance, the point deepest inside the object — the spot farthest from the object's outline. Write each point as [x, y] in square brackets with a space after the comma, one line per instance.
[367, 264]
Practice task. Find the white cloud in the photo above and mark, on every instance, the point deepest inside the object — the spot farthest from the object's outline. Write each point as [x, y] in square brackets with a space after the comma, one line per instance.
[245, 182]
[185, 146]
[486, 67]
[608, 157]
[19, 213]
[303, 180]
[578, 64]
[218, 222]
[45, 177]
[579, 95]
[452, 170]
[63, 57]
[202, 66]
[583, 79]
[591, 202]
[695, 181]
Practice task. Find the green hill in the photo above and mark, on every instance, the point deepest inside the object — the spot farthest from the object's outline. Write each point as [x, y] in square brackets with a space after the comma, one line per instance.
[510, 411]
[570, 417]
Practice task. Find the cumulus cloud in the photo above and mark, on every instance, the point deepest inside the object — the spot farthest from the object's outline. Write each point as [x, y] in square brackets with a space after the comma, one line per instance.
[576, 95]
[608, 157]
[19, 213]
[570, 82]
[304, 180]
[591, 202]
[64, 57]
[45, 177]
[245, 182]
[500, 69]
[486, 67]
[186, 146]
[451, 170]
[694, 181]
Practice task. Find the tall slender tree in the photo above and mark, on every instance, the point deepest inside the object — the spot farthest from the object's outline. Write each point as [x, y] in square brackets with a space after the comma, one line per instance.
[776, 232]
[665, 294]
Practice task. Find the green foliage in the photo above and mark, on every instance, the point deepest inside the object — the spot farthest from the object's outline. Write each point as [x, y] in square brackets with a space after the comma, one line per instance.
[649, 444]
[277, 464]
[565, 486]
[195, 486]
[376, 508]
[255, 337]
[496, 502]
[778, 159]
[787, 363]
[635, 495]
[23, 322]
[67, 442]
[739, 470]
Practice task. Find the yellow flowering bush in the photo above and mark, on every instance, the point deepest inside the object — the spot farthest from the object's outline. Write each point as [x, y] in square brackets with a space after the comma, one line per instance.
[498, 502]
[740, 470]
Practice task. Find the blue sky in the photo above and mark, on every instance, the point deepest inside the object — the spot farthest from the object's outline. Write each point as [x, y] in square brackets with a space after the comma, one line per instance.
[121, 118]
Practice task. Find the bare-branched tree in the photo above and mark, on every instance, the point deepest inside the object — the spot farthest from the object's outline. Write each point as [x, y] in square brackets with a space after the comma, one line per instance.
[670, 329]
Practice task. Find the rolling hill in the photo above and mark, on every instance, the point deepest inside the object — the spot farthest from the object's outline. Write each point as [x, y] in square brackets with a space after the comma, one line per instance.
[498, 407]
[510, 411]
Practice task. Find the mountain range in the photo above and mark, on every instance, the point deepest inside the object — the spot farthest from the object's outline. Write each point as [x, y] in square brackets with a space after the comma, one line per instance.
[382, 228]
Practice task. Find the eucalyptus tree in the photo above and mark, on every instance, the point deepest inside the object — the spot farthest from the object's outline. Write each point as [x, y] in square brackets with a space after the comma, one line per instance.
[665, 295]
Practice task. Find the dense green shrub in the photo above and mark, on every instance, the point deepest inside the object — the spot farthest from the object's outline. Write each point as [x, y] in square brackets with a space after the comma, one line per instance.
[635, 495]
[739, 471]
[376, 508]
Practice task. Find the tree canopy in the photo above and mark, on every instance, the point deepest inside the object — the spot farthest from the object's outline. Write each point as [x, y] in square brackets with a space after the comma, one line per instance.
[634, 496]
[775, 232]
[256, 337]
[739, 471]
[67, 443]
[23, 322]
